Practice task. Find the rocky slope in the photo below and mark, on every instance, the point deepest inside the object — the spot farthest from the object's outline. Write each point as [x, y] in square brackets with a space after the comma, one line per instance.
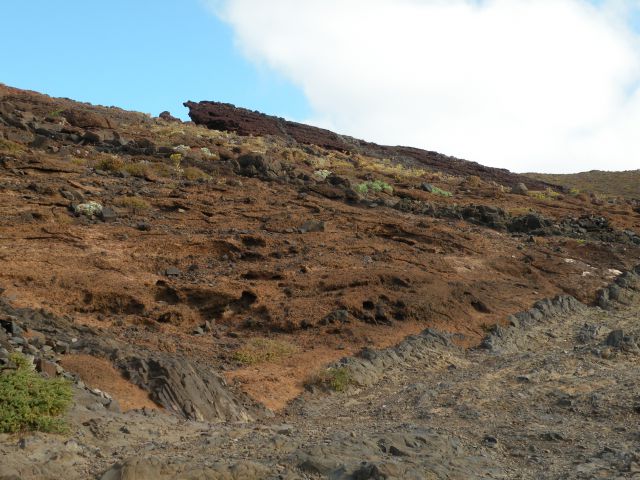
[606, 184]
[226, 117]
[192, 282]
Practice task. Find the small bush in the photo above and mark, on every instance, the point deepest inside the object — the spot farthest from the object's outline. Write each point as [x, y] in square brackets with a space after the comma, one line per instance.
[11, 148]
[176, 158]
[135, 204]
[162, 169]
[547, 194]
[375, 186]
[322, 174]
[336, 379]
[138, 169]
[194, 173]
[31, 402]
[441, 192]
[259, 350]
[110, 163]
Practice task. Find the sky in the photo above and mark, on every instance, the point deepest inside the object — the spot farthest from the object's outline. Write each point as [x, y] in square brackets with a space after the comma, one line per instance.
[528, 85]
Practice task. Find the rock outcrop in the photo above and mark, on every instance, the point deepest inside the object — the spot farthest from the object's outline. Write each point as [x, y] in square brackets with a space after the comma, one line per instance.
[227, 117]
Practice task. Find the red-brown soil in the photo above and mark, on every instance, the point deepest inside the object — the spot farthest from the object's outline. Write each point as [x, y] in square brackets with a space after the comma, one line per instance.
[99, 373]
[241, 259]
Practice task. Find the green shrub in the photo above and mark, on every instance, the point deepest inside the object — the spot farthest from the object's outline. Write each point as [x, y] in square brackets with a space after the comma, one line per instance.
[375, 186]
[31, 402]
[441, 192]
[336, 379]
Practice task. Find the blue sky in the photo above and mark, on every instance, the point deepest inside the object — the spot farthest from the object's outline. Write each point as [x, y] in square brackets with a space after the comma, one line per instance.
[145, 55]
[528, 85]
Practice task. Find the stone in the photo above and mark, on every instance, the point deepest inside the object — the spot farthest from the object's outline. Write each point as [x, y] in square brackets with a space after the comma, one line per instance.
[615, 338]
[520, 189]
[184, 389]
[47, 367]
[108, 214]
[86, 119]
[166, 116]
[172, 272]
[99, 137]
[312, 226]
[89, 209]
[426, 187]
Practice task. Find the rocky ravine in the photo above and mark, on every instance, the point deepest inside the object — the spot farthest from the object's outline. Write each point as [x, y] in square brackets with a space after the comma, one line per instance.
[552, 396]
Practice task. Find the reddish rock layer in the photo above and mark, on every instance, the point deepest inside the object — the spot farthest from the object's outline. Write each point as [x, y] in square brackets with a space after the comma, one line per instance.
[227, 117]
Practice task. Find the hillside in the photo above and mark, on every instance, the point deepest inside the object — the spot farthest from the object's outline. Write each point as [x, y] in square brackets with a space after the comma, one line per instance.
[262, 302]
[610, 184]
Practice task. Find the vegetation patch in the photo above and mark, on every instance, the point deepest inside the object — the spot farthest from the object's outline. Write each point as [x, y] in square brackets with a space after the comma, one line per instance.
[109, 163]
[137, 169]
[441, 192]
[30, 402]
[375, 186]
[260, 350]
[135, 204]
[610, 184]
[11, 148]
[336, 379]
[547, 194]
[194, 173]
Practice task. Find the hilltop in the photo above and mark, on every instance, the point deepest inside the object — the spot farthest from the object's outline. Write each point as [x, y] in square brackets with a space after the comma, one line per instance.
[610, 184]
[205, 280]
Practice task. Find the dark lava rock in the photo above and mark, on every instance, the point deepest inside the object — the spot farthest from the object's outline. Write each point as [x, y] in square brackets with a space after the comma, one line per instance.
[227, 117]
[615, 338]
[108, 214]
[520, 189]
[530, 223]
[258, 165]
[182, 388]
[168, 117]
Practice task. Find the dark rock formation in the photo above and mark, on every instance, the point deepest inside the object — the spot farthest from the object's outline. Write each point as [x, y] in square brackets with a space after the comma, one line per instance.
[174, 383]
[226, 117]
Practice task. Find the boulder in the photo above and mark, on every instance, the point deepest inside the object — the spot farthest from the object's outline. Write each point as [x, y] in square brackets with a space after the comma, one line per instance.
[520, 189]
[86, 119]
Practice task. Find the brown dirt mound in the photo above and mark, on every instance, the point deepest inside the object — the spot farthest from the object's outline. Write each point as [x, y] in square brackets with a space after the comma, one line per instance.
[99, 373]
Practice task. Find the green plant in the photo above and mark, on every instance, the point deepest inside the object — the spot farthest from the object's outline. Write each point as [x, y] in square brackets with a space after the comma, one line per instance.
[31, 402]
[135, 204]
[176, 158]
[375, 186]
[547, 194]
[441, 192]
[11, 148]
[259, 350]
[322, 174]
[337, 379]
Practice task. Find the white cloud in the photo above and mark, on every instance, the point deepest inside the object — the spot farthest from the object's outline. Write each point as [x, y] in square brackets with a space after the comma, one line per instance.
[544, 85]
